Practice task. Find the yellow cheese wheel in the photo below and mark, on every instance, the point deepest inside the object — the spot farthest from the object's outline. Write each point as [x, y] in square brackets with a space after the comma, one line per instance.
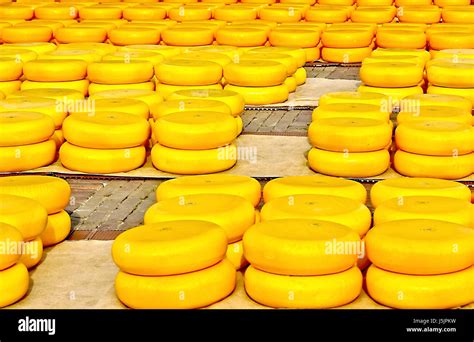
[88, 56]
[451, 75]
[193, 162]
[446, 167]
[406, 26]
[403, 187]
[435, 246]
[241, 36]
[195, 130]
[345, 55]
[467, 93]
[455, 54]
[21, 55]
[185, 105]
[436, 138]
[150, 97]
[80, 85]
[166, 90]
[434, 113]
[57, 230]
[235, 254]
[10, 69]
[100, 12]
[107, 26]
[101, 161]
[27, 157]
[51, 192]
[35, 104]
[451, 40]
[373, 14]
[350, 110]
[391, 75]
[23, 128]
[33, 253]
[231, 52]
[234, 100]
[435, 100]
[14, 283]
[106, 130]
[287, 60]
[341, 210]
[350, 134]
[445, 3]
[314, 185]
[234, 13]
[301, 38]
[300, 76]
[127, 105]
[233, 213]
[420, 292]
[419, 14]
[395, 94]
[464, 15]
[26, 34]
[308, 292]
[189, 13]
[375, 99]
[280, 15]
[169, 248]
[188, 36]
[96, 87]
[81, 35]
[16, 12]
[425, 55]
[302, 250]
[134, 35]
[343, 38]
[46, 70]
[397, 38]
[326, 15]
[119, 72]
[216, 57]
[261, 95]
[185, 291]
[11, 240]
[101, 49]
[66, 95]
[144, 12]
[358, 164]
[425, 207]
[242, 186]
[188, 72]
[52, 24]
[256, 73]
[56, 11]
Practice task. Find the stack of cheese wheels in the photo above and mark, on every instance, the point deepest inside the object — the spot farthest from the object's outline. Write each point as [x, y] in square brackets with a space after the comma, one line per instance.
[234, 213]
[176, 74]
[433, 148]
[52, 193]
[11, 69]
[14, 277]
[335, 152]
[400, 78]
[436, 272]
[30, 218]
[52, 73]
[104, 141]
[26, 142]
[245, 187]
[120, 74]
[178, 264]
[435, 107]
[455, 77]
[344, 44]
[302, 267]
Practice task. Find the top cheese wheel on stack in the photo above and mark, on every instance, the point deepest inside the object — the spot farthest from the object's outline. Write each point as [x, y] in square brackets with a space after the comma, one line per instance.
[184, 105]
[169, 248]
[188, 36]
[188, 72]
[351, 110]
[399, 51]
[256, 73]
[51, 192]
[404, 186]
[243, 186]
[458, 14]
[451, 75]
[241, 36]
[327, 15]
[376, 14]
[314, 185]
[302, 38]
[433, 113]
[322, 207]
[118, 72]
[422, 100]
[401, 38]
[233, 213]
[341, 38]
[46, 70]
[24, 128]
[355, 97]
[300, 251]
[391, 75]
[420, 14]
